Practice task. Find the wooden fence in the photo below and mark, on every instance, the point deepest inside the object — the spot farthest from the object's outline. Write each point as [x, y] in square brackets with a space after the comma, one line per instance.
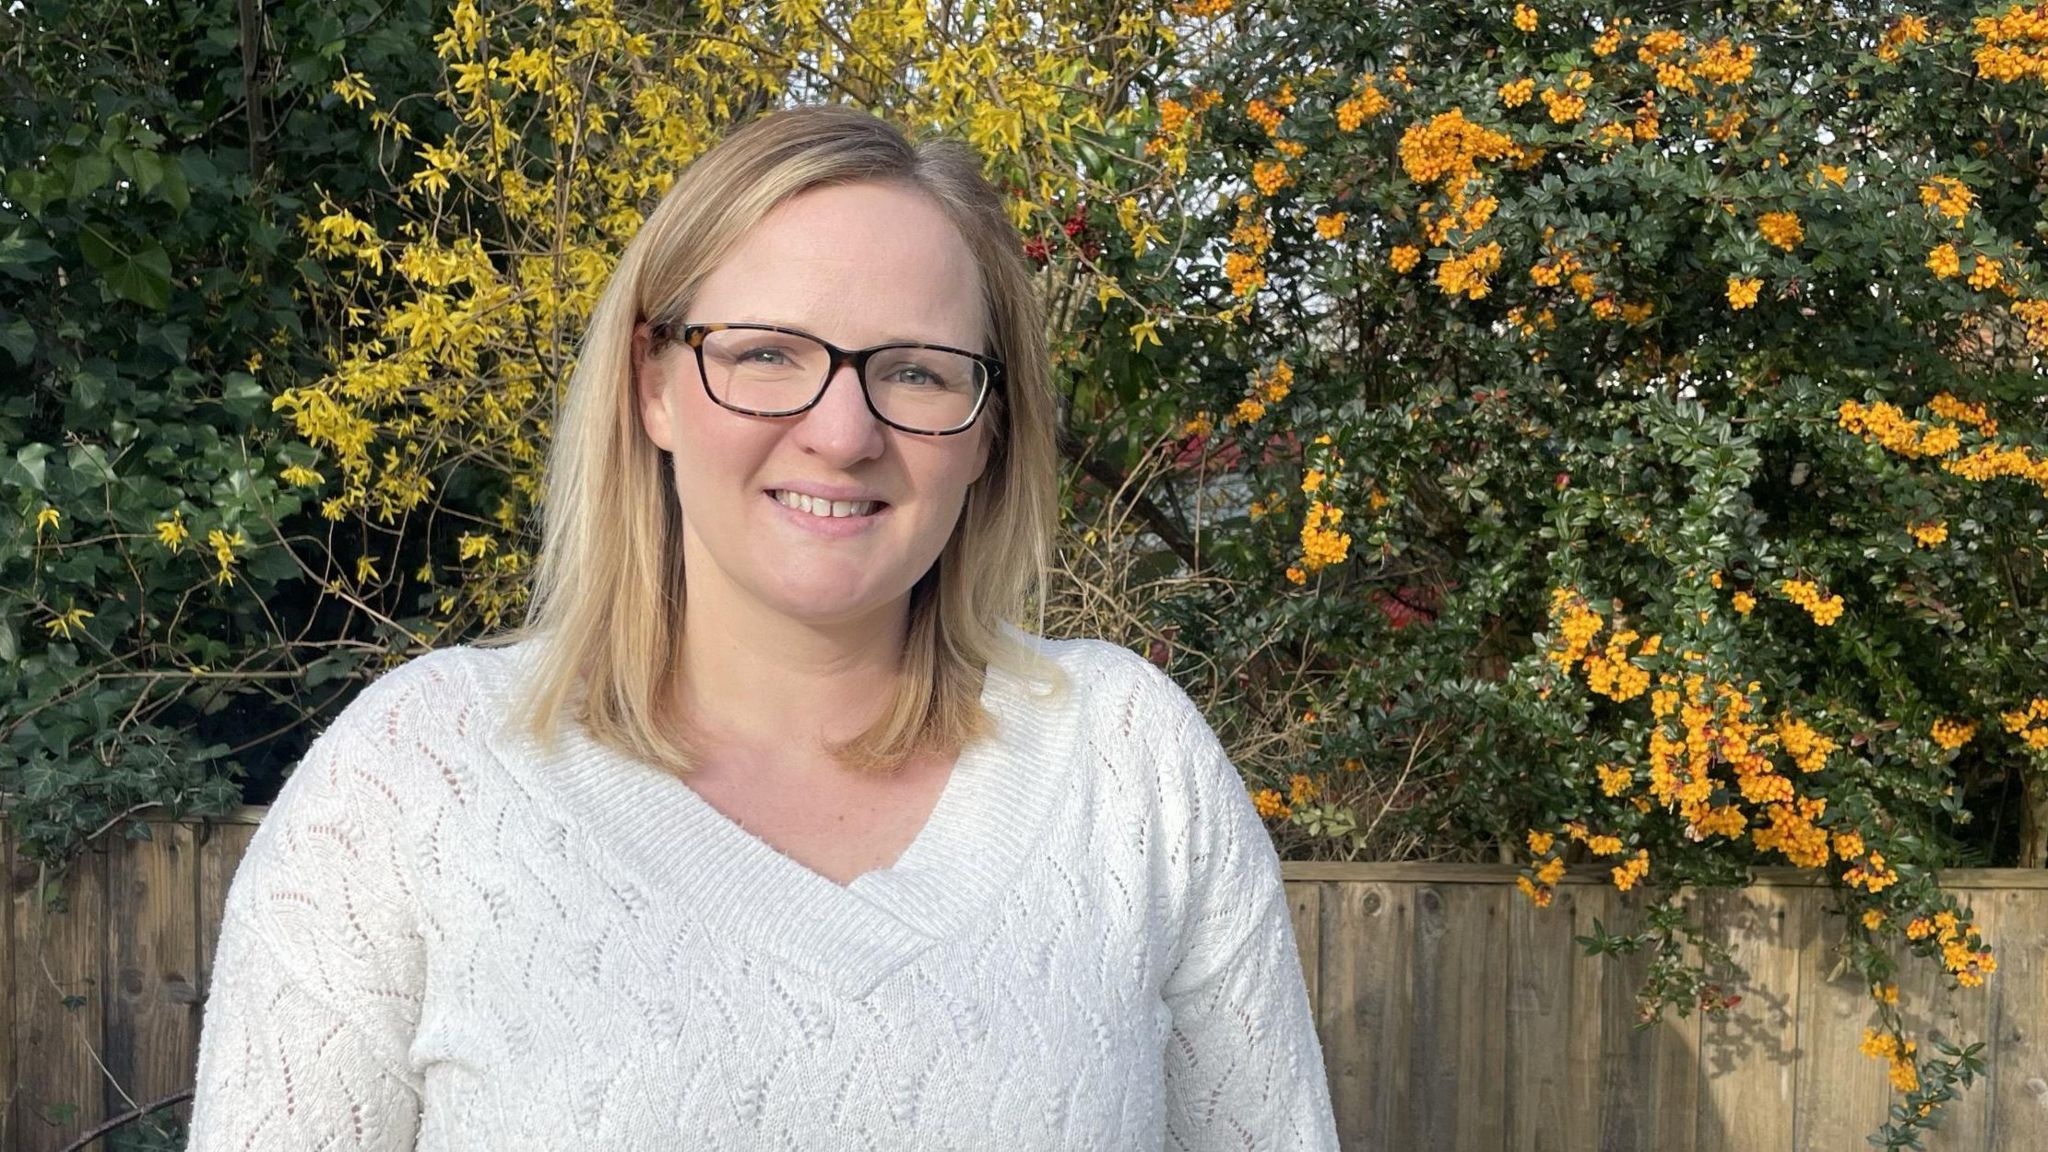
[1454, 1016]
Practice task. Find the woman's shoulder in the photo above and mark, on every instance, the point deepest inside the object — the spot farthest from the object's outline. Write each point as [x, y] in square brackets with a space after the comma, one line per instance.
[444, 678]
[1114, 685]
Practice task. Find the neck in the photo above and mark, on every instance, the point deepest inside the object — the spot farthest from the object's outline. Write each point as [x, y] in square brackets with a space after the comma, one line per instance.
[756, 679]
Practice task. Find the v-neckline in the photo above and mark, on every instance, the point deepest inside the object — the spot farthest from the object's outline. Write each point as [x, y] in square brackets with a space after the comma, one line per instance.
[739, 888]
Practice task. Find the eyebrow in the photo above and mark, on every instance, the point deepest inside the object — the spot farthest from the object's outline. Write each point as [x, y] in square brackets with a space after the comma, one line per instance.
[895, 339]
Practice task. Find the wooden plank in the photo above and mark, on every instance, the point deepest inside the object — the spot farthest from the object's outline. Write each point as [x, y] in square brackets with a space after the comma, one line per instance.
[1305, 909]
[1839, 1093]
[2018, 1097]
[58, 1010]
[1649, 1074]
[1364, 1007]
[219, 848]
[1961, 1016]
[1458, 1049]
[152, 1031]
[1748, 1087]
[1537, 1087]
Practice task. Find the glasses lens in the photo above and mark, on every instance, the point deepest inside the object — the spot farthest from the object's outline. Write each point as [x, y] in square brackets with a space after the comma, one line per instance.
[924, 388]
[763, 371]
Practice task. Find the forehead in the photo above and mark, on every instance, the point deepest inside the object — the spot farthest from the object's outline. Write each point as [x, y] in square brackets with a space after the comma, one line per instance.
[856, 264]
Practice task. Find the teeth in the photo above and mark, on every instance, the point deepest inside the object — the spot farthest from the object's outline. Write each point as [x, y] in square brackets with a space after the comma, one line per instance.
[818, 507]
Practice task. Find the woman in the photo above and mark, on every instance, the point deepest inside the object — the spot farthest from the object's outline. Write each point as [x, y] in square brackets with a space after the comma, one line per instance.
[770, 832]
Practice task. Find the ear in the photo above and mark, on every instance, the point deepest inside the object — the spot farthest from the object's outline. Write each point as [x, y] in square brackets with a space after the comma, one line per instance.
[650, 390]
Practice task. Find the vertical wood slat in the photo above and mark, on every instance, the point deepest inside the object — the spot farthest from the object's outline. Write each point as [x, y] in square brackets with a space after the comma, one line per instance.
[1649, 1098]
[1964, 1016]
[1839, 1089]
[1748, 1057]
[2018, 1087]
[152, 984]
[1548, 1073]
[59, 956]
[1363, 1008]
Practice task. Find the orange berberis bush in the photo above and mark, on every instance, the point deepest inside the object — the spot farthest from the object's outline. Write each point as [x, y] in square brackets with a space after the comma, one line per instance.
[1641, 406]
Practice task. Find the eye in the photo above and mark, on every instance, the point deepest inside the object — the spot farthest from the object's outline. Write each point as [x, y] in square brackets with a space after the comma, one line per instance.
[763, 356]
[915, 376]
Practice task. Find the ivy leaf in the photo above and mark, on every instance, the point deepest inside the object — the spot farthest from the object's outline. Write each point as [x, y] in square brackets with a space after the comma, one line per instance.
[143, 276]
[19, 338]
[88, 173]
[173, 188]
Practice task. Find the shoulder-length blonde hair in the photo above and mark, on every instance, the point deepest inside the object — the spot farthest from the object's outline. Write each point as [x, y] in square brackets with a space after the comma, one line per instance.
[607, 607]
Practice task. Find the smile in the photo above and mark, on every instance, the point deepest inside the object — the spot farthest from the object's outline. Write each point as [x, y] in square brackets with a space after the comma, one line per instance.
[826, 509]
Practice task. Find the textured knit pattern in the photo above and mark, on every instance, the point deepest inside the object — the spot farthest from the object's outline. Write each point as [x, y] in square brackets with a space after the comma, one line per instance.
[442, 937]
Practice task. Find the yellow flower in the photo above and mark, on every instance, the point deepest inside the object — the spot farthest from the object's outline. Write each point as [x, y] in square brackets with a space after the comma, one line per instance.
[1539, 842]
[1615, 780]
[1943, 262]
[1269, 804]
[1265, 115]
[47, 518]
[1628, 875]
[1782, 229]
[1525, 18]
[1331, 227]
[1744, 602]
[1271, 176]
[1404, 257]
[224, 546]
[1301, 789]
[1368, 103]
[1516, 93]
[1743, 292]
[171, 532]
[1953, 734]
[1608, 42]
[1312, 481]
[1986, 274]
[1948, 196]
[62, 623]
[1930, 534]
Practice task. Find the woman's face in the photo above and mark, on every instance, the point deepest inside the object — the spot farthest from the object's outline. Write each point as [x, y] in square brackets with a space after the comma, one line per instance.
[854, 265]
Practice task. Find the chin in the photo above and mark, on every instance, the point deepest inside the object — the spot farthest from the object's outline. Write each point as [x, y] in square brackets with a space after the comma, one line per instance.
[824, 600]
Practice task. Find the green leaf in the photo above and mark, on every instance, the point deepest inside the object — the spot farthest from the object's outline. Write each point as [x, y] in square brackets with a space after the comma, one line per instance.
[143, 276]
[19, 339]
[174, 190]
[20, 254]
[88, 173]
[149, 172]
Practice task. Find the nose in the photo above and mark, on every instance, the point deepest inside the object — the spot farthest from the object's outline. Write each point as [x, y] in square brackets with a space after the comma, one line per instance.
[840, 428]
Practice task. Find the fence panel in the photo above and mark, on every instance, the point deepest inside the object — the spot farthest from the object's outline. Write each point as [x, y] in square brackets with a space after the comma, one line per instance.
[1454, 1016]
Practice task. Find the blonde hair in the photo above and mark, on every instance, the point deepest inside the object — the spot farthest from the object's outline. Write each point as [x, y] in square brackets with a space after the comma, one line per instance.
[607, 605]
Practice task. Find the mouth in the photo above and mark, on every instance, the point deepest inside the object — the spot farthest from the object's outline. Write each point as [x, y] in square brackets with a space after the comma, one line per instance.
[826, 509]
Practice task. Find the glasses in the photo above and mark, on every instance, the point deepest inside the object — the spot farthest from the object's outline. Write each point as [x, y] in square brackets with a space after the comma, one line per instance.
[768, 370]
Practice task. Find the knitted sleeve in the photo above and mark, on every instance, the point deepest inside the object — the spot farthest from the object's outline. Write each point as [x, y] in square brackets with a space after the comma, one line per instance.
[318, 972]
[1244, 1068]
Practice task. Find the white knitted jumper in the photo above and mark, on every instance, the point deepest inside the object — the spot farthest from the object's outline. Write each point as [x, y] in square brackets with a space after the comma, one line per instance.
[442, 938]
